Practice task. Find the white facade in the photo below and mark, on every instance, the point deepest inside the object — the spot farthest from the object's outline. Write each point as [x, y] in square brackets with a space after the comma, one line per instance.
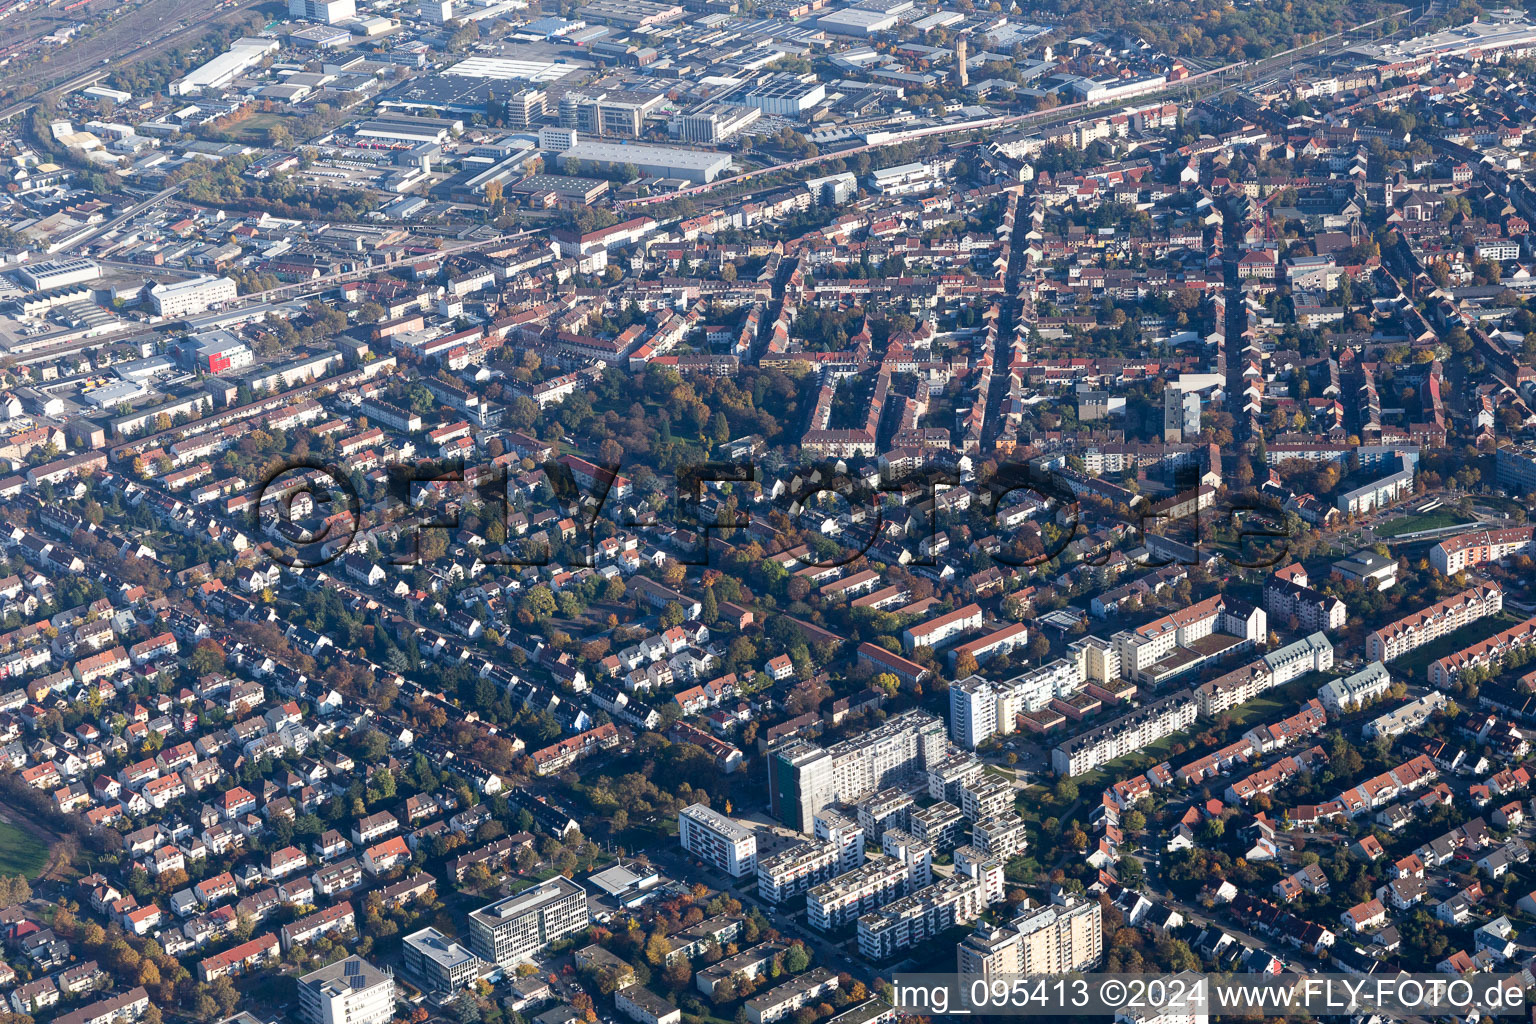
[717, 840]
[1340, 695]
[327, 12]
[350, 991]
[182, 298]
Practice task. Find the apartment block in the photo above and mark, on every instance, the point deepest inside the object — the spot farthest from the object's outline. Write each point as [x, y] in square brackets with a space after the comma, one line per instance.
[987, 797]
[1002, 836]
[783, 1000]
[796, 870]
[1470, 550]
[1355, 689]
[1179, 643]
[980, 708]
[1485, 652]
[877, 812]
[753, 963]
[941, 825]
[947, 777]
[1434, 621]
[1126, 734]
[1060, 937]
[833, 904]
[915, 853]
[804, 778]
[919, 917]
[845, 834]
[717, 840]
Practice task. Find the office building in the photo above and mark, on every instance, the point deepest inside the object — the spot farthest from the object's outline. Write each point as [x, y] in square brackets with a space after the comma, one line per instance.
[713, 123]
[557, 140]
[327, 12]
[438, 964]
[608, 115]
[183, 298]
[350, 991]
[1383, 491]
[717, 840]
[1515, 468]
[511, 930]
[526, 108]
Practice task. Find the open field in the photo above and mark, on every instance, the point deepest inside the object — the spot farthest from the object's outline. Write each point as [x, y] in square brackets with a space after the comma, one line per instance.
[1413, 524]
[21, 852]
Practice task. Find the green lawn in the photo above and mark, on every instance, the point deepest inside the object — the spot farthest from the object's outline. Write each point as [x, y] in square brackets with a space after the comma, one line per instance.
[21, 853]
[1413, 524]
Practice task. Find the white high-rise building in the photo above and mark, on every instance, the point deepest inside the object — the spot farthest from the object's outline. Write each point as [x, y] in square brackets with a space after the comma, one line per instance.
[511, 930]
[327, 12]
[972, 711]
[980, 709]
[350, 991]
[1057, 938]
[717, 840]
[804, 778]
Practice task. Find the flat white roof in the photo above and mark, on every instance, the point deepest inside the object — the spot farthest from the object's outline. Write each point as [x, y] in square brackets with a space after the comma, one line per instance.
[696, 159]
[504, 68]
[854, 18]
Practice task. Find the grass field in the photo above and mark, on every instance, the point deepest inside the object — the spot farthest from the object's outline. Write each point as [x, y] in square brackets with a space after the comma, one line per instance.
[254, 128]
[1413, 524]
[21, 853]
